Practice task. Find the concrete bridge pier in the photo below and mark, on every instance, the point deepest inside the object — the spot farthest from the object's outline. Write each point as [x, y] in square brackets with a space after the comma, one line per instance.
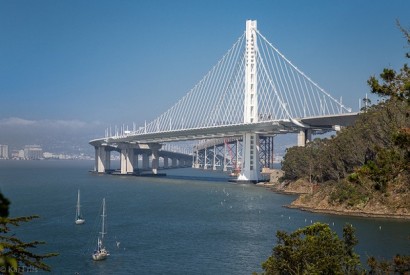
[135, 160]
[304, 137]
[166, 164]
[127, 160]
[174, 162]
[250, 167]
[102, 159]
[145, 161]
[155, 157]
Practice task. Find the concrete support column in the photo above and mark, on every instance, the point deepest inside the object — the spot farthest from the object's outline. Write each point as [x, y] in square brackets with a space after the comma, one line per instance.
[127, 160]
[308, 135]
[174, 162]
[145, 161]
[166, 162]
[96, 156]
[123, 161]
[102, 159]
[250, 166]
[155, 157]
[135, 160]
[304, 137]
[155, 161]
[130, 160]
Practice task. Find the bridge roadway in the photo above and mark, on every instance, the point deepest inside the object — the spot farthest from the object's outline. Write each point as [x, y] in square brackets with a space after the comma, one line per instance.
[130, 145]
[221, 131]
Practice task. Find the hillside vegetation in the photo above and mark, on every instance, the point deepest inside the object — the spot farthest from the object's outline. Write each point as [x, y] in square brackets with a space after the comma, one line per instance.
[366, 167]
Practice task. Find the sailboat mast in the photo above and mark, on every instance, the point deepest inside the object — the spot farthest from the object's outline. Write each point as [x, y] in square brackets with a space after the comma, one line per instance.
[103, 220]
[78, 204]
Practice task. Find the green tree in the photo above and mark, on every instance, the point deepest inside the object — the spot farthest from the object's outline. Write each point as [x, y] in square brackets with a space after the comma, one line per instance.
[314, 249]
[394, 85]
[399, 265]
[406, 36]
[15, 255]
[371, 156]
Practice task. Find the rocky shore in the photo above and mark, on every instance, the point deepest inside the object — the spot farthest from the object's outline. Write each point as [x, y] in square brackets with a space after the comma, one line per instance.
[315, 198]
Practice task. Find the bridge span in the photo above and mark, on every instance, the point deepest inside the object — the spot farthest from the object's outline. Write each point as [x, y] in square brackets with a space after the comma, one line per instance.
[131, 152]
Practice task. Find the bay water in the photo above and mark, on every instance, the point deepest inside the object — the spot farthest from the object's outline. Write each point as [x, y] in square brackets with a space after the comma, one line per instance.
[189, 222]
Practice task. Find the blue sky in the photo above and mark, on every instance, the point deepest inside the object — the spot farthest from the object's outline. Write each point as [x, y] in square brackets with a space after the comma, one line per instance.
[117, 62]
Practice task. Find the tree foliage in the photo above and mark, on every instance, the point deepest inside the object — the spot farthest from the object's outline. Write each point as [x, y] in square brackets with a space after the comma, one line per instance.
[399, 265]
[394, 85]
[406, 36]
[378, 133]
[315, 249]
[370, 156]
[15, 255]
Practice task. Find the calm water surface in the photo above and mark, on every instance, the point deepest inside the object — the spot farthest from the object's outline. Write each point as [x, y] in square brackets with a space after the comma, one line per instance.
[190, 222]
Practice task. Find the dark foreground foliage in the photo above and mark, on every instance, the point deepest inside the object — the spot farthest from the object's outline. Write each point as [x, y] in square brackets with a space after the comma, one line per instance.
[316, 249]
[16, 256]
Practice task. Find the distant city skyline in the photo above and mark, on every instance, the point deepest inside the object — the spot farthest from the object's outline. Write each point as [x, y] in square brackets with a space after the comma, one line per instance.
[36, 152]
[88, 65]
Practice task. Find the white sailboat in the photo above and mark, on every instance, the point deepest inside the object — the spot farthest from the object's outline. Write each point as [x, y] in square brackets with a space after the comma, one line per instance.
[78, 217]
[100, 253]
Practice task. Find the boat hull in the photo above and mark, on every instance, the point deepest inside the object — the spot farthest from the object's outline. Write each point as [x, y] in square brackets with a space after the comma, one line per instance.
[79, 221]
[100, 255]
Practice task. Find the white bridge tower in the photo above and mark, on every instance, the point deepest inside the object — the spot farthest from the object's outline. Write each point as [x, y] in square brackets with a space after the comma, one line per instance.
[250, 165]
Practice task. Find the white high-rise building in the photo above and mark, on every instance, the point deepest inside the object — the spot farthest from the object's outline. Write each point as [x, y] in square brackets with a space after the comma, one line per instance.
[4, 151]
[33, 152]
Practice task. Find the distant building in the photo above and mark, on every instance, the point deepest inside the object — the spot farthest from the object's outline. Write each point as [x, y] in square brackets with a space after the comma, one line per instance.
[33, 152]
[4, 151]
[48, 155]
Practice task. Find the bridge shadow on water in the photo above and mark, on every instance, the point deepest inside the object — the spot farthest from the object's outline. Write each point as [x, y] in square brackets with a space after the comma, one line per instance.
[197, 174]
[200, 178]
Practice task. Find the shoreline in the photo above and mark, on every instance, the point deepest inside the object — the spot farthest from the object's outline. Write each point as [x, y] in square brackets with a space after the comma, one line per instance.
[352, 213]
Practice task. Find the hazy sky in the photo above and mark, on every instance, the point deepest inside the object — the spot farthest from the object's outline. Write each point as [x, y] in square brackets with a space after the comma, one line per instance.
[129, 61]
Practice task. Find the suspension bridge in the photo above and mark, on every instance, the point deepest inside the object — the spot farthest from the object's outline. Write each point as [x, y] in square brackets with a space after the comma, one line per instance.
[252, 91]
